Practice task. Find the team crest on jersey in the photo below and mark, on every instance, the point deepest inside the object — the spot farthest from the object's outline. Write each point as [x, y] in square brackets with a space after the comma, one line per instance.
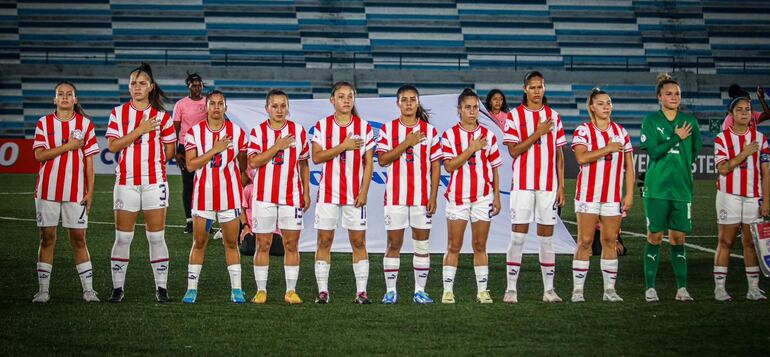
[119, 204]
[722, 214]
[278, 158]
[643, 138]
[409, 154]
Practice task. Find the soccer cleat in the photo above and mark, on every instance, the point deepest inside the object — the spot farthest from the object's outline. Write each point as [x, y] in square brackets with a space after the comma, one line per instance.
[90, 296]
[323, 298]
[218, 234]
[683, 295]
[651, 295]
[577, 296]
[612, 296]
[483, 297]
[292, 298]
[720, 294]
[551, 297]
[188, 228]
[362, 299]
[511, 297]
[422, 297]
[260, 297]
[390, 298]
[236, 296]
[755, 294]
[448, 297]
[161, 295]
[117, 295]
[190, 296]
[41, 297]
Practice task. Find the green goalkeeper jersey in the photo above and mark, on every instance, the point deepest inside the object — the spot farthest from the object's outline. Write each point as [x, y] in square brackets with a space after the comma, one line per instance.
[670, 159]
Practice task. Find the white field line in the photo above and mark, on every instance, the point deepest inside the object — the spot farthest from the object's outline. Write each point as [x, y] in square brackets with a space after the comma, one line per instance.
[89, 222]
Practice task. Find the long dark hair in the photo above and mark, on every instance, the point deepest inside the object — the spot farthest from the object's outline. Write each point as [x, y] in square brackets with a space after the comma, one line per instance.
[528, 77]
[156, 96]
[594, 92]
[488, 100]
[467, 92]
[736, 94]
[422, 113]
[336, 86]
[77, 108]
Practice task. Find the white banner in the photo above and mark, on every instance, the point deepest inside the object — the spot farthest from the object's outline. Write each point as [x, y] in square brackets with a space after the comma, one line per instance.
[443, 108]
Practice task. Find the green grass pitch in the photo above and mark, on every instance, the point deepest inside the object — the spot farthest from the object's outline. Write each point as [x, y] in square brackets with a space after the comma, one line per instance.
[214, 326]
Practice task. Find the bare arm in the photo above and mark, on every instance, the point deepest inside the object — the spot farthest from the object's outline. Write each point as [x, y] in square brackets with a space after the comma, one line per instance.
[320, 155]
[195, 162]
[496, 186]
[516, 149]
[560, 176]
[43, 155]
[765, 108]
[145, 126]
[368, 169]
[304, 177]
[454, 163]
[170, 149]
[90, 177]
[727, 166]
[628, 200]
[435, 179]
[262, 158]
[765, 208]
[584, 156]
[386, 158]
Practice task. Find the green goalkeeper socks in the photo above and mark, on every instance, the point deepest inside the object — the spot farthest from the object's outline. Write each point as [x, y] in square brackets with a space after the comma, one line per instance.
[651, 258]
[679, 261]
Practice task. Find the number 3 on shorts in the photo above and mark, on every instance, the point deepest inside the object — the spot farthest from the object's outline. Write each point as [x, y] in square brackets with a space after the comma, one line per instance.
[163, 193]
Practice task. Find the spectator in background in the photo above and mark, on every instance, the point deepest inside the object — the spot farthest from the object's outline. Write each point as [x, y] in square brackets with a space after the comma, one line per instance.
[497, 106]
[735, 91]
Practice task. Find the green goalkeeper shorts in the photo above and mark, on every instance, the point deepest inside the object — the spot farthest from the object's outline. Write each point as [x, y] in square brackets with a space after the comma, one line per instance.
[663, 215]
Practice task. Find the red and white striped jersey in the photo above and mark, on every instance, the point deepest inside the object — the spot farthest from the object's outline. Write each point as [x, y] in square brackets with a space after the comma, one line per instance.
[341, 176]
[217, 185]
[278, 181]
[601, 180]
[143, 161]
[409, 177]
[744, 180]
[62, 178]
[534, 169]
[473, 180]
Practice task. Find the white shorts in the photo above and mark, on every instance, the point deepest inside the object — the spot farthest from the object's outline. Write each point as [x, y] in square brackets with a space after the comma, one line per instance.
[732, 209]
[327, 215]
[265, 217]
[400, 217]
[222, 216]
[529, 206]
[480, 210]
[135, 198]
[604, 209]
[73, 214]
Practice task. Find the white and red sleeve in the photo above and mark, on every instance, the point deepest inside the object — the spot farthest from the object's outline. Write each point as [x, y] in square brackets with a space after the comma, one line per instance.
[91, 146]
[167, 133]
[383, 141]
[510, 132]
[189, 140]
[255, 138]
[720, 151]
[435, 146]
[304, 153]
[41, 137]
[581, 137]
[494, 153]
[113, 127]
[561, 138]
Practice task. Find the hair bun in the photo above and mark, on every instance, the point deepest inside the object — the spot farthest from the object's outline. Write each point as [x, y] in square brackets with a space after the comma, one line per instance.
[663, 77]
[735, 90]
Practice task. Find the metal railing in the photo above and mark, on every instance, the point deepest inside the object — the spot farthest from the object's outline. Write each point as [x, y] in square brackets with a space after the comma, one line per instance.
[395, 60]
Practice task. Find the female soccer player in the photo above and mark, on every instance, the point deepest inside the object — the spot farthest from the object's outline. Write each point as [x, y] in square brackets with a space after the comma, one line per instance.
[64, 146]
[216, 150]
[756, 117]
[672, 141]
[344, 144]
[143, 133]
[534, 136]
[742, 159]
[471, 157]
[497, 106]
[603, 150]
[278, 149]
[411, 149]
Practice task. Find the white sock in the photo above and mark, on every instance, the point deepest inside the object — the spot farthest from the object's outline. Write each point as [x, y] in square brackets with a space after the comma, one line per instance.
[86, 273]
[547, 261]
[609, 272]
[752, 276]
[720, 276]
[361, 272]
[158, 257]
[121, 250]
[390, 268]
[449, 277]
[513, 258]
[421, 269]
[482, 277]
[322, 275]
[260, 275]
[291, 274]
[193, 274]
[44, 276]
[235, 276]
[579, 272]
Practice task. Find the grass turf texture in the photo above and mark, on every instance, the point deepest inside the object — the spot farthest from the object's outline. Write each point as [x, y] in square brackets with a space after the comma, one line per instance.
[67, 325]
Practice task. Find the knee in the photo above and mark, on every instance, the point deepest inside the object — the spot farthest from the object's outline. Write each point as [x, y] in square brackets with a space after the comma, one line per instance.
[325, 242]
[585, 242]
[264, 244]
[78, 240]
[200, 243]
[290, 246]
[655, 238]
[358, 244]
[394, 248]
[454, 247]
[479, 247]
[47, 238]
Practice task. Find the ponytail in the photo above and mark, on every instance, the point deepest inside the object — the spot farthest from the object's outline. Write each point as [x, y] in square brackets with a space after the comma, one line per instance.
[156, 96]
[77, 108]
[422, 113]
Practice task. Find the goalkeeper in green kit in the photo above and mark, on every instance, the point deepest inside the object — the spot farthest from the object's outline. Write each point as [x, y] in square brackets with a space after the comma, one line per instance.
[672, 141]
